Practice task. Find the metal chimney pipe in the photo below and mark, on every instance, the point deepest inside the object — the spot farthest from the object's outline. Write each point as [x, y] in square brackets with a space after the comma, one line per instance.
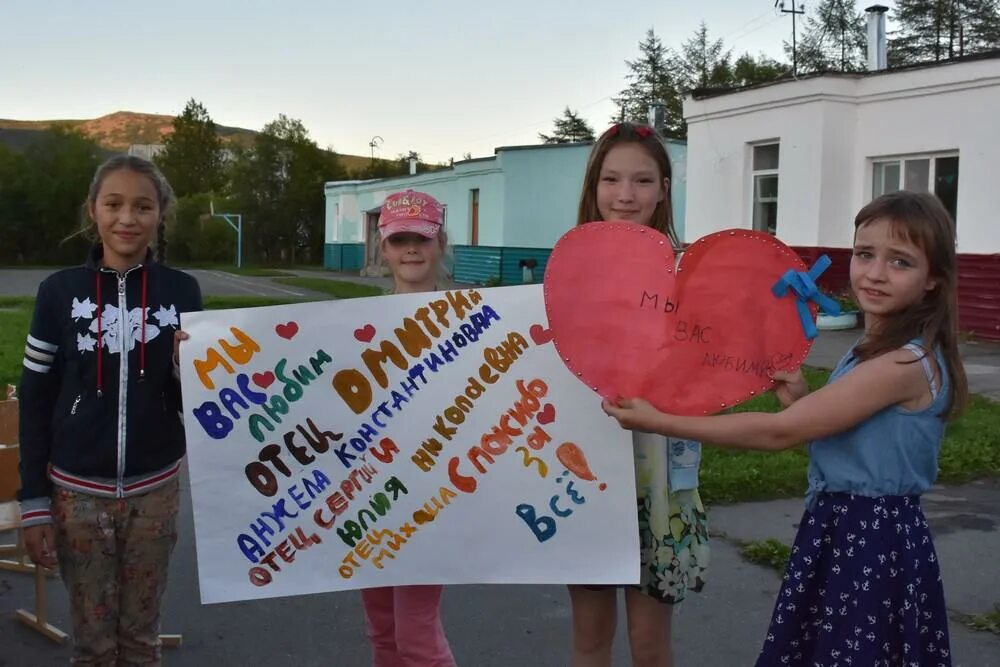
[876, 37]
[656, 116]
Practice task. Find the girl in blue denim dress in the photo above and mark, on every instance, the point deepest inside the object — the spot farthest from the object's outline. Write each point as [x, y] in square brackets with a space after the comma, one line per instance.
[863, 586]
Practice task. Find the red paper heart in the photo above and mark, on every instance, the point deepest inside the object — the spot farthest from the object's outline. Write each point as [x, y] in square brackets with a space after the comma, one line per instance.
[547, 415]
[691, 341]
[365, 333]
[288, 330]
[539, 334]
[263, 380]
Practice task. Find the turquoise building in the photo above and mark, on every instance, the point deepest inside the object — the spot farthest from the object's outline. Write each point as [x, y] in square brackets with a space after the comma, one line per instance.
[503, 214]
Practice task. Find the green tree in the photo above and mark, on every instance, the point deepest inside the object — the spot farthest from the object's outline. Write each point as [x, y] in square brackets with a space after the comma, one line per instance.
[651, 78]
[750, 71]
[703, 63]
[192, 158]
[934, 30]
[834, 38]
[569, 128]
[196, 236]
[15, 227]
[56, 174]
[277, 184]
[380, 168]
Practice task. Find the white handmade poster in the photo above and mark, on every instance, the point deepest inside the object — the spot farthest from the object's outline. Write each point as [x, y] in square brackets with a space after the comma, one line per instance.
[408, 439]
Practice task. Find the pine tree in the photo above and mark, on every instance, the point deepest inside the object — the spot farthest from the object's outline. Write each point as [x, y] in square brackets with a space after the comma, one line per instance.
[834, 39]
[935, 30]
[703, 63]
[651, 78]
[192, 158]
[569, 128]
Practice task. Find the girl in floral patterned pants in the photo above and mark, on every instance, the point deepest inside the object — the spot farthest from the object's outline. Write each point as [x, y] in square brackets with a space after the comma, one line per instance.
[113, 555]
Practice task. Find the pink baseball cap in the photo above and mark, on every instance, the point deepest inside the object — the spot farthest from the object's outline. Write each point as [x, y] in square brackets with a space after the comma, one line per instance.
[410, 211]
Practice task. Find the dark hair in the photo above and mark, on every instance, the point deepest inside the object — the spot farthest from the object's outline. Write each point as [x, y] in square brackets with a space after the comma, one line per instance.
[164, 193]
[630, 133]
[921, 219]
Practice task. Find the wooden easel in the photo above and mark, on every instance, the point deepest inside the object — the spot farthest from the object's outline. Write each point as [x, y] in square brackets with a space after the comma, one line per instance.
[10, 519]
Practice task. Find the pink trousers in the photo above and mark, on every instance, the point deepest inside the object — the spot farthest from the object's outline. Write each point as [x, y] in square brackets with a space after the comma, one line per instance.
[404, 627]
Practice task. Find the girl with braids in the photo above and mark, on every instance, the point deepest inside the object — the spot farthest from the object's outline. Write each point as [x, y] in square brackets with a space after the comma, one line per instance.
[101, 437]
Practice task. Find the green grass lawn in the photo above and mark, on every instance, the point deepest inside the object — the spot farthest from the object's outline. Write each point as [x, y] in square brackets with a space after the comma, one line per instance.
[988, 622]
[770, 552]
[971, 448]
[338, 289]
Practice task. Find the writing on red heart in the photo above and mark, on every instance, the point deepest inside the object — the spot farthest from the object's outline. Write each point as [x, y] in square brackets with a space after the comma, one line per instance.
[365, 333]
[263, 380]
[287, 330]
[691, 338]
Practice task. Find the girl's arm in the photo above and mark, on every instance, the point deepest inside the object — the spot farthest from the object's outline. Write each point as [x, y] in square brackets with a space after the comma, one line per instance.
[39, 386]
[873, 385]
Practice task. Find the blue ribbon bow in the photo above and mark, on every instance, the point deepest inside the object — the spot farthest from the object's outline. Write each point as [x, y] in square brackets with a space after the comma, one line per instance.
[803, 284]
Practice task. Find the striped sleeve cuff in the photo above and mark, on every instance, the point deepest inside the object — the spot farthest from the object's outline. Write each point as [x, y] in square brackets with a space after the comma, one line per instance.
[39, 355]
[35, 512]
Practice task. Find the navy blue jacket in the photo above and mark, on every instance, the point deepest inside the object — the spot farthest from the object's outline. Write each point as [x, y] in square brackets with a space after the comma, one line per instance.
[99, 394]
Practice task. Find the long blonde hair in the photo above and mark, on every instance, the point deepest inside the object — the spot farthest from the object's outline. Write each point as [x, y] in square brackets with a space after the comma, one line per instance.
[444, 280]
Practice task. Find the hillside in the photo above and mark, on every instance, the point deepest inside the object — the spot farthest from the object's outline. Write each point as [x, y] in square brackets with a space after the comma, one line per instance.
[116, 131]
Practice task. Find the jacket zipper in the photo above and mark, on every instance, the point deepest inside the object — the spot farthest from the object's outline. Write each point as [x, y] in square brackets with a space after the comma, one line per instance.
[123, 333]
[122, 383]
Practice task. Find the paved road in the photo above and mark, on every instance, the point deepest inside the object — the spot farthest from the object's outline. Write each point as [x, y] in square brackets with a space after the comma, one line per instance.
[981, 359]
[503, 626]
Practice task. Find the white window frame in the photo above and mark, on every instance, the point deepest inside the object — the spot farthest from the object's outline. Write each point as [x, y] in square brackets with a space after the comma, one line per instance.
[901, 160]
[755, 174]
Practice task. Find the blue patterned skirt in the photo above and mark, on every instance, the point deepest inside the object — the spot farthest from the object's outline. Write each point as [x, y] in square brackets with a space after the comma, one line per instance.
[862, 589]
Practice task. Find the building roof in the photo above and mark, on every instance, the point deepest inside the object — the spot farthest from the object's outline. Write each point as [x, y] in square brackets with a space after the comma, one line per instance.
[568, 144]
[526, 147]
[706, 93]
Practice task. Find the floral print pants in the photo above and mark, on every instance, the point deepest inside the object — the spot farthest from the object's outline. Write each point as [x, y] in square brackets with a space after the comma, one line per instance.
[113, 556]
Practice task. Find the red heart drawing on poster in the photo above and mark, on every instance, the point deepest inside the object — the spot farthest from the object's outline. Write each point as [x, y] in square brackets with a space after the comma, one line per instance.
[691, 341]
[547, 415]
[539, 334]
[365, 333]
[263, 380]
[287, 330]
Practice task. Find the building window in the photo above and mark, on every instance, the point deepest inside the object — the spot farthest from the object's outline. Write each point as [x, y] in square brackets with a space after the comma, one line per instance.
[765, 188]
[920, 173]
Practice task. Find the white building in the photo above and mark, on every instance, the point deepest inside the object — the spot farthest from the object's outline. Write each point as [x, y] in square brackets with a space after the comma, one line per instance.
[503, 213]
[800, 157]
[146, 151]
